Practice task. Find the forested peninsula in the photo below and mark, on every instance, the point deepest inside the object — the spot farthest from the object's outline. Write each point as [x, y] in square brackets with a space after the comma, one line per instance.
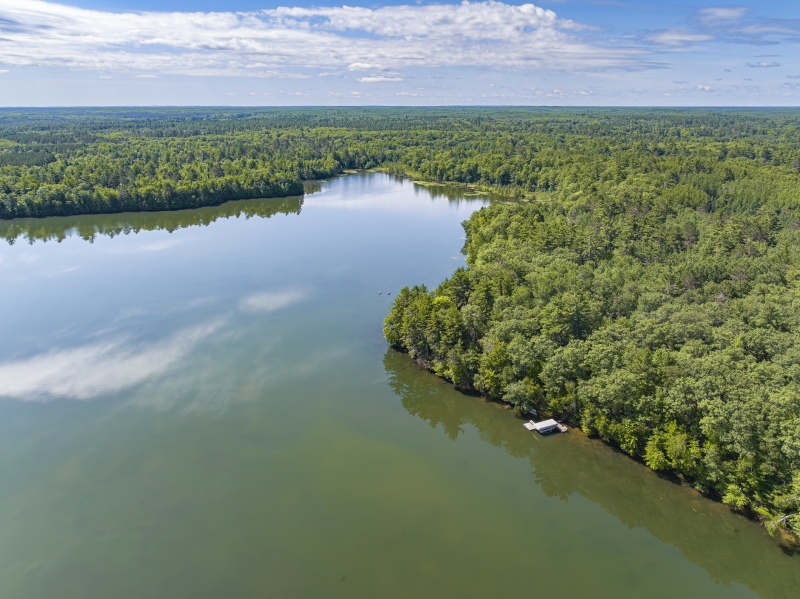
[647, 291]
[641, 281]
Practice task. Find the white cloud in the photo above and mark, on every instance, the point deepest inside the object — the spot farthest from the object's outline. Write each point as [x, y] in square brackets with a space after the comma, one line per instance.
[717, 14]
[484, 34]
[678, 37]
[3, 71]
[271, 301]
[364, 66]
[763, 65]
[776, 26]
[90, 370]
[378, 79]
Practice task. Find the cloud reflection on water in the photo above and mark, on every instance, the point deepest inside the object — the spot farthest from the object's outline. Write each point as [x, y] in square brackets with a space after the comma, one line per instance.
[88, 371]
[91, 370]
[156, 246]
[271, 301]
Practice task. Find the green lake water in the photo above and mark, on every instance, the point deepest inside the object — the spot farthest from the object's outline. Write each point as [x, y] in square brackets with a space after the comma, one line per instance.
[200, 404]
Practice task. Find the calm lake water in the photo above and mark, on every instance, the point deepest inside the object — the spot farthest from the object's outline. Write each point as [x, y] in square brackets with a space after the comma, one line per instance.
[200, 404]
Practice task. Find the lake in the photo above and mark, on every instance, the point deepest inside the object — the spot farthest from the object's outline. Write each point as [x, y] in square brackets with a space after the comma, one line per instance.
[201, 404]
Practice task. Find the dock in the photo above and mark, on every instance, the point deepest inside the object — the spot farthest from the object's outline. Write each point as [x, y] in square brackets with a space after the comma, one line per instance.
[545, 426]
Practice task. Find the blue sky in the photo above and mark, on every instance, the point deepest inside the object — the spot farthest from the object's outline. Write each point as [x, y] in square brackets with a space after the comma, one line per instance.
[254, 53]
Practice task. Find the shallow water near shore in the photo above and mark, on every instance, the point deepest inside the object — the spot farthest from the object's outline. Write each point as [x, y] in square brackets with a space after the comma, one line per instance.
[200, 404]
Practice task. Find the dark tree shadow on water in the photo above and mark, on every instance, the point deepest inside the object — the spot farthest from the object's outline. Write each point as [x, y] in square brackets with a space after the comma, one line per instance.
[729, 547]
[89, 226]
[421, 396]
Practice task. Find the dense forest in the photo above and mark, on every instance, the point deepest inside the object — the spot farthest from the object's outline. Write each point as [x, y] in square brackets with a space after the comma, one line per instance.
[647, 289]
[69, 161]
[642, 280]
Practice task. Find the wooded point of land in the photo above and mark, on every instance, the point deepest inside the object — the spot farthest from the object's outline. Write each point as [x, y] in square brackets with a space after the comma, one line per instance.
[642, 280]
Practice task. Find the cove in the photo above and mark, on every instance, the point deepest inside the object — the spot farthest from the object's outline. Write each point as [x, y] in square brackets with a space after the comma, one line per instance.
[200, 404]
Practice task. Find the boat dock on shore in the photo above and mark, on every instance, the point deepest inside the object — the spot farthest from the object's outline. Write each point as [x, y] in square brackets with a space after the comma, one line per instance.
[545, 426]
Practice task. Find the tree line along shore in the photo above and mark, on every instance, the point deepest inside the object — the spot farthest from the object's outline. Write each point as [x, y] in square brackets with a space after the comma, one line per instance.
[641, 281]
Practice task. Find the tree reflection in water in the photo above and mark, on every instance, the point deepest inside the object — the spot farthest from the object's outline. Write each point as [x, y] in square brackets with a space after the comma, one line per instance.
[729, 547]
[88, 227]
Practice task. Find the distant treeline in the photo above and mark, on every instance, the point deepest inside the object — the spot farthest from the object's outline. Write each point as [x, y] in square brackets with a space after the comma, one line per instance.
[70, 161]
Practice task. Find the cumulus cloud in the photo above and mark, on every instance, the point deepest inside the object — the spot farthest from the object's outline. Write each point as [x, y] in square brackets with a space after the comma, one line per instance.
[271, 301]
[364, 66]
[261, 43]
[88, 371]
